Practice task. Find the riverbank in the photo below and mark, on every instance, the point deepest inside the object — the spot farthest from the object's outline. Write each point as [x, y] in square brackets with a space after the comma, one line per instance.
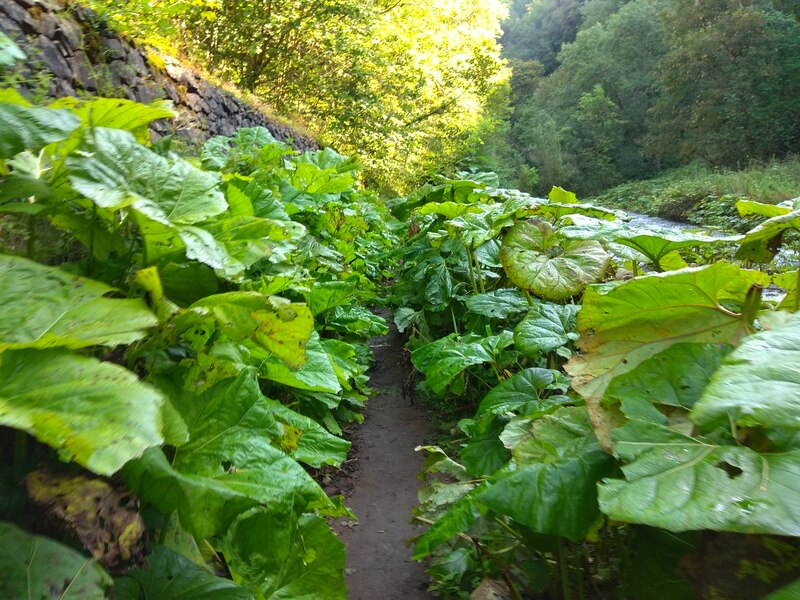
[702, 196]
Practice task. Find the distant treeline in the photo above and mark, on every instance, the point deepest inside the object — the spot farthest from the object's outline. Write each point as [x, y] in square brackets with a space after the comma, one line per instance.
[605, 91]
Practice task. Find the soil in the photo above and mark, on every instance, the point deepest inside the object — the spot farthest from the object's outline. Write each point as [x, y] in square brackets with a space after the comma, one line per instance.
[379, 482]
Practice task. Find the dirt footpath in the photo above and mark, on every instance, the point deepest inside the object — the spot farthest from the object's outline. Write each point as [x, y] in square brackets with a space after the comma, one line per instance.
[381, 487]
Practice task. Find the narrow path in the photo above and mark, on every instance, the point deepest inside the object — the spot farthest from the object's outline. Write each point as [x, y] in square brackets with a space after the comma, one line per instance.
[384, 486]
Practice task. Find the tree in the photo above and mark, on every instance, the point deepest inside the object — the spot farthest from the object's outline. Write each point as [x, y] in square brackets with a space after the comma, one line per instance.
[597, 134]
[539, 33]
[730, 83]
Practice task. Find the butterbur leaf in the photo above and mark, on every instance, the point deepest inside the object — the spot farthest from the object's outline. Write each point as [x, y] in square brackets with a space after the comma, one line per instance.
[787, 592]
[171, 576]
[37, 567]
[9, 52]
[520, 392]
[29, 128]
[546, 327]
[537, 259]
[562, 196]
[680, 483]
[95, 413]
[651, 572]
[357, 320]
[552, 486]
[237, 458]
[117, 113]
[761, 243]
[658, 245]
[758, 383]
[623, 325]
[119, 172]
[277, 325]
[250, 239]
[329, 294]
[441, 361]
[460, 517]
[498, 304]
[674, 378]
[317, 373]
[105, 519]
[44, 307]
[305, 560]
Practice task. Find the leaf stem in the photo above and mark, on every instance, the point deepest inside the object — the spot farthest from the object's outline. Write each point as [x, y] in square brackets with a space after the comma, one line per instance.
[564, 570]
[30, 248]
[797, 293]
[471, 269]
[162, 534]
[90, 263]
[20, 447]
[752, 304]
[455, 323]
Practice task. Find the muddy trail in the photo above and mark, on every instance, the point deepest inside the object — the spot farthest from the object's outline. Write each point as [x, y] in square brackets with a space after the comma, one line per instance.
[380, 485]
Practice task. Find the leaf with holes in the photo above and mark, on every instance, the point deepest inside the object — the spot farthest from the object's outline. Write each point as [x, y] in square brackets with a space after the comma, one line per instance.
[622, 325]
[758, 383]
[682, 483]
[280, 327]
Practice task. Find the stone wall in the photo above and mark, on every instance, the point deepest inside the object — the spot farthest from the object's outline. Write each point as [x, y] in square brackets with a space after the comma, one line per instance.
[71, 53]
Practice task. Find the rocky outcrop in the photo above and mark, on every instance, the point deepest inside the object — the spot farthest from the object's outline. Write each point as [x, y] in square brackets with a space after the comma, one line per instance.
[71, 53]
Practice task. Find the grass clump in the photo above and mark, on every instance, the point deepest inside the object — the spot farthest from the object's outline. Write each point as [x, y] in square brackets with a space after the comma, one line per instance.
[705, 196]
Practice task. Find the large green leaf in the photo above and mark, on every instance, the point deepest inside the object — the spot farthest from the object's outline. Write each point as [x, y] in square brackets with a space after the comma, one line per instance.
[95, 413]
[237, 458]
[356, 320]
[674, 378]
[650, 573]
[276, 325]
[498, 304]
[459, 518]
[45, 306]
[681, 483]
[171, 576]
[9, 51]
[545, 328]
[441, 361]
[521, 393]
[654, 243]
[115, 171]
[757, 384]
[537, 259]
[250, 239]
[623, 325]
[37, 567]
[28, 128]
[787, 592]
[329, 294]
[761, 243]
[551, 484]
[286, 556]
[317, 373]
[117, 113]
